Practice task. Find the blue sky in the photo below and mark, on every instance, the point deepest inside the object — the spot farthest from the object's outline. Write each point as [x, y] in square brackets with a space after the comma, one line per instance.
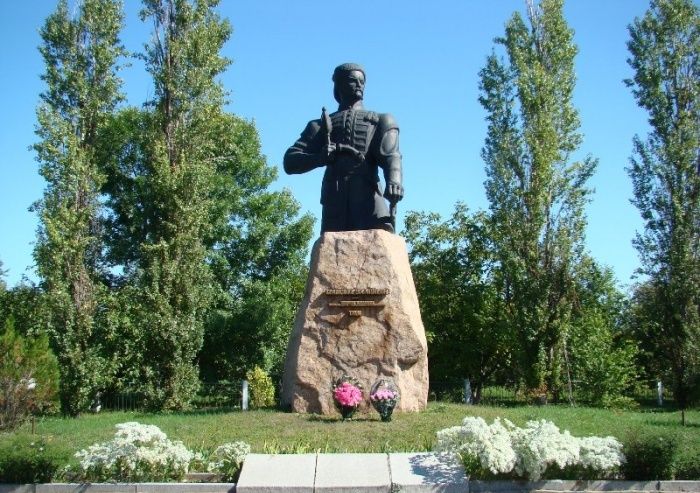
[422, 64]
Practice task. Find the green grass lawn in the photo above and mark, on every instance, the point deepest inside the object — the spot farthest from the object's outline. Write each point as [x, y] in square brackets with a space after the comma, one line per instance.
[276, 432]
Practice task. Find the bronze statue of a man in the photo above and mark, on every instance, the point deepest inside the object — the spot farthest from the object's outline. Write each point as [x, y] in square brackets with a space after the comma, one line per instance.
[353, 144]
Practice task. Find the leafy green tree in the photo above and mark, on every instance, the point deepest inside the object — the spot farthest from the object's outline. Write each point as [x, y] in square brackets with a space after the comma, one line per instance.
[25, 304]
[28, 376]
[160, 189]
[665, 171]
[193, 230]
[3, 294]
[80, 55]
[251, 325]
[641, 321]
[452, 264]
[536, 191]
[259, 261]
[601, 356]
[3, 273]
[3, 290]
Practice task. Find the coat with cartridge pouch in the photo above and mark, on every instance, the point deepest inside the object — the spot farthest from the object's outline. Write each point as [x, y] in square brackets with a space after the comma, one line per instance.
[351, 193]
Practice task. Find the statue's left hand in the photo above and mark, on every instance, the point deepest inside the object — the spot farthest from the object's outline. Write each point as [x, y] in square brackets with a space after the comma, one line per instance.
[327, 154]
[393, 192]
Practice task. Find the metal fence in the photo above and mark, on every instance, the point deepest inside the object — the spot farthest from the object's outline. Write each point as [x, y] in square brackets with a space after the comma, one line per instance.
[211, 396]
[228, 395]
[647, 394]
[457, 390]
[219, 395]
[122, 401]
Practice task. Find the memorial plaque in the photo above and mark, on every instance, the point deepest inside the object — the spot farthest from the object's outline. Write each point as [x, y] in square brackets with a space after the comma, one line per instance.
[357, 302]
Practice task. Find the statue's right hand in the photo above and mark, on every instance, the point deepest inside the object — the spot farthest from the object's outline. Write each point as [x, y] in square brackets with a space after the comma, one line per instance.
[327, 154]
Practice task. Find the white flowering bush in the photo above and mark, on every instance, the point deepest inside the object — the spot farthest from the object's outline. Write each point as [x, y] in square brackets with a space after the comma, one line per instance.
[485, 447]
[505, 450]
[539, 445]
[137, 453]
[227, 459]
[600, 453]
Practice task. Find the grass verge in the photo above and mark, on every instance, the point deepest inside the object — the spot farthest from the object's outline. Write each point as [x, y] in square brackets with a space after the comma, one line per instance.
[269, 431]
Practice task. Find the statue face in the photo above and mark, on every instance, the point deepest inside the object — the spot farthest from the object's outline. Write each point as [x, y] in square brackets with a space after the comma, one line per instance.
[351, 87]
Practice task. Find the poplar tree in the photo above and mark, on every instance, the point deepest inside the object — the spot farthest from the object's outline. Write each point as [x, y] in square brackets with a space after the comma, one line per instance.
[536, 190]
[3, 295]
[665, 170]
[3, 273]
[175, 171]
[82, 88]
[193, 229]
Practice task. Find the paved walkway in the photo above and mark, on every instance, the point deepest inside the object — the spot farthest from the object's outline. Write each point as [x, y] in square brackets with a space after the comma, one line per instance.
[350, 473]
[360, 473]
[409, 473]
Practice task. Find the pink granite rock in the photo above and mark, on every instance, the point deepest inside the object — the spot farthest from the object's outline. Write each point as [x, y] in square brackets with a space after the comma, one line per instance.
[359, 317]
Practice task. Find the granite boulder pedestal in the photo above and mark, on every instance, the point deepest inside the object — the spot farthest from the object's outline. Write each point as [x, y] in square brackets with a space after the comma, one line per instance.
[359, 317]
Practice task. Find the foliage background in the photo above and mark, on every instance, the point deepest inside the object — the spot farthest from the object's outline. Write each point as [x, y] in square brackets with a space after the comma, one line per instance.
[166, 234]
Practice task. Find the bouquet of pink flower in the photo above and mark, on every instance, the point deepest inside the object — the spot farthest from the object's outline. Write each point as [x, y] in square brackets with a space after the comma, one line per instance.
[384, 396]
[347, 395]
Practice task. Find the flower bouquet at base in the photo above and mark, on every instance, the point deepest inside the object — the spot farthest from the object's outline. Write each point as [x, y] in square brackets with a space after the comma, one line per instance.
[384, 396]
[347, 395]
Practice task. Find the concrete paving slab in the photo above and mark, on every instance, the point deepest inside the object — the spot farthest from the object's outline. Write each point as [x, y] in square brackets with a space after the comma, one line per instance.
[675, 486]
[559, 485]
[500, 486]
[351, 473]
[85, 488]
[622, 485]
[427, 472]
[553, 486]
[16, 488]
[266, 473]
[185, 488]
[203, 477]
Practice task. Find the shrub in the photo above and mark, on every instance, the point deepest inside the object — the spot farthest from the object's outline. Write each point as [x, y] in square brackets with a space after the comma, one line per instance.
[227, 460]
[28, 377]
[539, 445]
[619, 402]
[504, 450]
[687, 467]
[649, 456]
[486, 449]
[262, 390]
[137, 453]
[27, 461]
[605, 368]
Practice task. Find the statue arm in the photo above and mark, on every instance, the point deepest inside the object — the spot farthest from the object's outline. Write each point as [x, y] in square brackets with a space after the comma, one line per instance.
[390, 157]
[305, 154]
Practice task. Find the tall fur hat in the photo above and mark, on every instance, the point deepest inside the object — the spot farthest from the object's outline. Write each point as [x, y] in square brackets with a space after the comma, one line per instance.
[342, 70]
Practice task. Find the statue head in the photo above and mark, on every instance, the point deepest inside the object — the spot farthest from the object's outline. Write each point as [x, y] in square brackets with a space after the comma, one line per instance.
[349, 83]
